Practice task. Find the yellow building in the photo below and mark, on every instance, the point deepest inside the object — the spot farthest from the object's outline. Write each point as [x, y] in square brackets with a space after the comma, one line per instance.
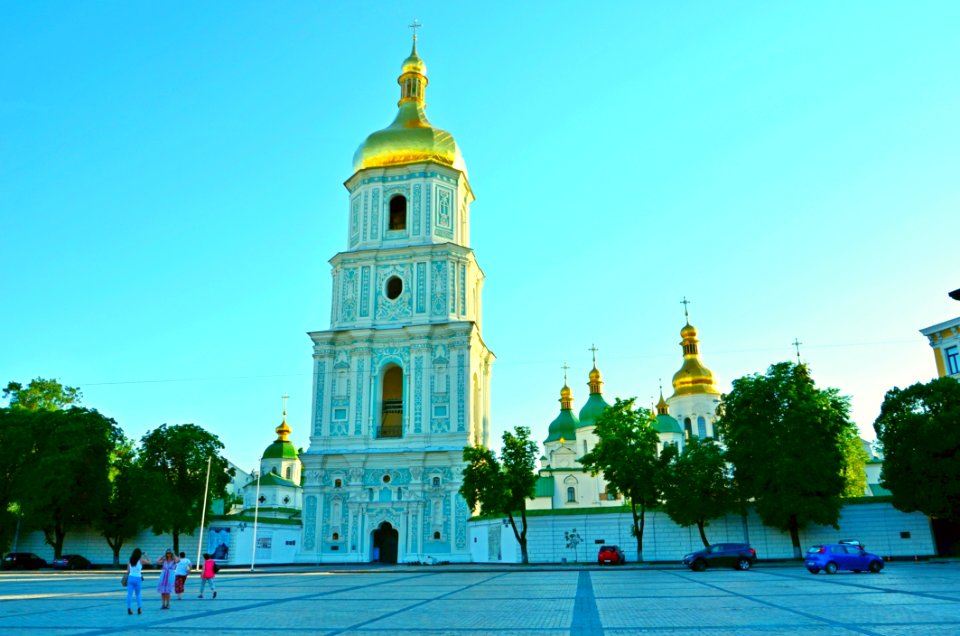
[944, 337]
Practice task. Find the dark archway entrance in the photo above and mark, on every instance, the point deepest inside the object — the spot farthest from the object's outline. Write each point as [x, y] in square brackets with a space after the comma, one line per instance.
[385, 540]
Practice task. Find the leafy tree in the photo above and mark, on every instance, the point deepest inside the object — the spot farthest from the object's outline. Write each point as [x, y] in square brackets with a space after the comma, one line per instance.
[41, 394]
[15, 447]
[503, 486]
[64, 483]
[626, 454]
[123, 510]
[174, 461]
[919, 428]
[855, 465]
[697, 487]
[787, 441]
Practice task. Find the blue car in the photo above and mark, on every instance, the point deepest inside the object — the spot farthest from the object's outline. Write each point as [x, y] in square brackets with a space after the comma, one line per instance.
[831, 557]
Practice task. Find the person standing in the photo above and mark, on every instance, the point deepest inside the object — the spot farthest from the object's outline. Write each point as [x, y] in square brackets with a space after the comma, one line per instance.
[168, 563]
[206, 577]
[183, 569]
[135, 579]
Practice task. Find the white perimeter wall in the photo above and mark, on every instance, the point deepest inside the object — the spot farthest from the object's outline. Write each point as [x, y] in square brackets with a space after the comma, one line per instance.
[877, 525]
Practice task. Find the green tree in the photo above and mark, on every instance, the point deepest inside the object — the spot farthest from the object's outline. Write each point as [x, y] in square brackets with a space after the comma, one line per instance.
[174, 462]
[124, 508]
[787, 441]
[64, 483]
[41, 394]
[855, 465]
[503, 486]
[919, 429]
[626, 454]
[697, 487]
[15, 447]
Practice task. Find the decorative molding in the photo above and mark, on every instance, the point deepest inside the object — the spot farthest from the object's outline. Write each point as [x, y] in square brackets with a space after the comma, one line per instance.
[439, 287]
[364, 291]
[318, 407]
[348, 295]
[421, 288]
[355, 221]
[461, 388]
[400, 307]
[358, 408]
[463, 289]
[418, 394]
[462, 513]
[408, 177]
[376, 214]
[310, 523]
[366, 197]
[415, 207]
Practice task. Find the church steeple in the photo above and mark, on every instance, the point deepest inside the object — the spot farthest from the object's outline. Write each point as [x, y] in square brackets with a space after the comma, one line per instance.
[595, 404]
[693, 377]
[564, 427]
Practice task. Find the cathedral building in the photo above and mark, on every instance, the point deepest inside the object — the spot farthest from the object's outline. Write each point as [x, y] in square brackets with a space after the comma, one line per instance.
[402, 377]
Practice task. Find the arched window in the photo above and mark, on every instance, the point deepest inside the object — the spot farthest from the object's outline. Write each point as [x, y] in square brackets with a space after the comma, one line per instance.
[571, 494]
[289, 474]
[436, 482]
[701, 427]
[391, 418]
[398, 213]
[336, 536]
[436, 536]
[687, 427]
[337, 483]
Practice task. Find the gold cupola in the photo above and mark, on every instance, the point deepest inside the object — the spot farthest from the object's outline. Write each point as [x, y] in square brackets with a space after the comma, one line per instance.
[693, 378]
[410, 138]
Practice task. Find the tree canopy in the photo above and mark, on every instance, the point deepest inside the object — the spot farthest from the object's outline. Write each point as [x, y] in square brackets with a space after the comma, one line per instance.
[697, 487]
[503, 486]
[174, 462]
[919, 428]
[788, 442]
[41, 394]
[626, 454]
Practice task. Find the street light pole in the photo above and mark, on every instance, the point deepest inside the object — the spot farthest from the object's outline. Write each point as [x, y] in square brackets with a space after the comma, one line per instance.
[256, 514]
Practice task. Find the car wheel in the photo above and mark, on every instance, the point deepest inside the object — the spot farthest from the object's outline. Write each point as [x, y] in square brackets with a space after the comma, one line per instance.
[699, 565]
[875, 567]
[814, 570]
[743, 564]
[830, 568]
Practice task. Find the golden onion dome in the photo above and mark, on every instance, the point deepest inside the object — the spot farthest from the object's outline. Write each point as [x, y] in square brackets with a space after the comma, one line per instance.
[692, 378]
[283, 431]
[410, 138]
[595, 375]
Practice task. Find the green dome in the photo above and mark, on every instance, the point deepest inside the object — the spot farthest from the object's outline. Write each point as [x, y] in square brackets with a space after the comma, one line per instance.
[280, 450]
[593, 409]
[564, 426]
[668, 424]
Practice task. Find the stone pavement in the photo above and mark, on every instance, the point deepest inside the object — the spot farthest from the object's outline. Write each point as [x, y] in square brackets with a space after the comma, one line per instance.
[905, 599]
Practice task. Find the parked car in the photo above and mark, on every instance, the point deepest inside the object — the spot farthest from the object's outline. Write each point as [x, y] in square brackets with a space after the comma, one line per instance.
[71, 562]
[23, 561]
[831, 557]
[611, 554]
[736, 555]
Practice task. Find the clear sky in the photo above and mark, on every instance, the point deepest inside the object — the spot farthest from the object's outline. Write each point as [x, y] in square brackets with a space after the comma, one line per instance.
[171, 190]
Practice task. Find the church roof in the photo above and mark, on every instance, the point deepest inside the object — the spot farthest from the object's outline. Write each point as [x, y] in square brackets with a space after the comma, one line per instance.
[281, 448]
[667, 424]
[411, 138]
[565, 425]
[693, 378]
[595, 404]
[272, 479]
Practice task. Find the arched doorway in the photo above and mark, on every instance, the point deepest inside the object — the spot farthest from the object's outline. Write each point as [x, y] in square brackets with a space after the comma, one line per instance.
[385, 541]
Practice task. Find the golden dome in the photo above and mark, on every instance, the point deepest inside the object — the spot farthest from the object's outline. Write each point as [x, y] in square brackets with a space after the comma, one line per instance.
[595, 375]
[410, 138]
[693, 377]
[566, 398]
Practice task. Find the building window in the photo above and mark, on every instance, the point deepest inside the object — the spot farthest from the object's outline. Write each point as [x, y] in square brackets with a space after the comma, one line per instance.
[386, 479]
[953, 360]
[289, 474]
[571, 494]
[336, 536]
[701, 427]
[338, 483]
[391, 417]
[394, 287]
[687, 427]
[439, 410]
[436, 536]
[339, 414]
[436, 482]
[398, 213]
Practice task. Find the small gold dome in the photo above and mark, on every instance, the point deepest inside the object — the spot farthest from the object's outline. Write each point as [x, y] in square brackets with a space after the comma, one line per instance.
[414, 64]
[595, 375]
[565, 392]
[693, 377]
[283, 431]
[689, 331]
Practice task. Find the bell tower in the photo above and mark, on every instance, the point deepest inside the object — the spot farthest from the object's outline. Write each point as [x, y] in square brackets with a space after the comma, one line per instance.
[402, 376]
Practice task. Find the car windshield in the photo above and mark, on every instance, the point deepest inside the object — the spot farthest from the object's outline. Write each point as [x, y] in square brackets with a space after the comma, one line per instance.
[815, 548]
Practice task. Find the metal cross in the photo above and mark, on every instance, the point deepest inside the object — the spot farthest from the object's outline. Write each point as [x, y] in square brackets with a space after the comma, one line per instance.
[285, 398]
[565, 367]
[685, 302]
[796, 343]
[593, 348]
[416, 25]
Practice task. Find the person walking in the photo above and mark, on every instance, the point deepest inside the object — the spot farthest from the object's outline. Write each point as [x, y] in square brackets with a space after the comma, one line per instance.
[206, 577]
[135, 579]
[183, 569]
[165, 585]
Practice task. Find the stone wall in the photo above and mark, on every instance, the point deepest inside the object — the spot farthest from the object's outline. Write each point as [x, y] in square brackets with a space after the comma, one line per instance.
[576, 538]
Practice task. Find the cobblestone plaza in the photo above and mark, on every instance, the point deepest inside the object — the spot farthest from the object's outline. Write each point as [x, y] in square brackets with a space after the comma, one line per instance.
[907, 598]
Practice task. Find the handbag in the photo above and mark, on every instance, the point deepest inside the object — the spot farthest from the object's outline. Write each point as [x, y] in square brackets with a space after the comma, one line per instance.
[123, 579]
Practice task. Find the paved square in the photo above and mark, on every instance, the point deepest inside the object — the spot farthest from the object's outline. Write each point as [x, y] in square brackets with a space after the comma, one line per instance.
[905, 599]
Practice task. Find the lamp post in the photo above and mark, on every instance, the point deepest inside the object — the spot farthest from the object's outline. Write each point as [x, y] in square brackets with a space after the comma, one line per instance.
[203, 514]
[256, 514]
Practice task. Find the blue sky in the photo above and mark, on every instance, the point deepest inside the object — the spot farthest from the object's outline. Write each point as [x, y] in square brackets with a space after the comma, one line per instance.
[171, 190]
